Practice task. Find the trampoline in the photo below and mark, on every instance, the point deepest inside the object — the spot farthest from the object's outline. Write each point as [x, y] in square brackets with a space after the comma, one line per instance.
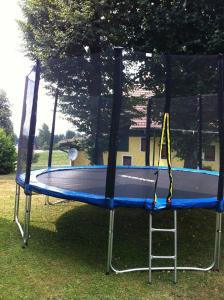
[134, 186]
[184, 84]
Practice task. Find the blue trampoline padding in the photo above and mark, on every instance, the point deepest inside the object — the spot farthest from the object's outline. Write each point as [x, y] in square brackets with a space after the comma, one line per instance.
[134, 186]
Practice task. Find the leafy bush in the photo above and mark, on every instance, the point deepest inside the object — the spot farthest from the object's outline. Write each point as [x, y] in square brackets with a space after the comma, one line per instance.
[5, 113]
[35, 157]
[7, 153]
[209, 168]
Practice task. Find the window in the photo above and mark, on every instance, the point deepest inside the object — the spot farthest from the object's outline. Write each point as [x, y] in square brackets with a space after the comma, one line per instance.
[123, 143]
[143, 144]
[126, 160]
[209, 153]
[163, 152]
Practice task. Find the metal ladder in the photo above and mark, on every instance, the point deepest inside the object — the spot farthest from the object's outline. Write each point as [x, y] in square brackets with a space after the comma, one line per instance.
[172, 257]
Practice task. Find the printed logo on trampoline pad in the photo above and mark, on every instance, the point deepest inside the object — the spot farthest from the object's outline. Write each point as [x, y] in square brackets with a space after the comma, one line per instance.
[138, 178]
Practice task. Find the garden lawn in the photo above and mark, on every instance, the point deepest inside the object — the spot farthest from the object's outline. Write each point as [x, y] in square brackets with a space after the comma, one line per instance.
[66, 256]
[59, 158]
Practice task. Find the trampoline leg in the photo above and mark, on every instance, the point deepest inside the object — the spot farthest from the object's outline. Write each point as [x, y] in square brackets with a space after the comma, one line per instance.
[175, 246]
[48, 202]
[27, 220]
[218, 240]
[110, 241]
[16, 211]
[16, 207]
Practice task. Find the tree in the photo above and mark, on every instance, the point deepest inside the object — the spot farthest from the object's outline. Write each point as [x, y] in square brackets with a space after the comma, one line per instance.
[179, 26]
[68, 36]
[43, 138]
[82, 69]
[58, 138]
[7, 153]
[154, 26]
[5, 114]
[191, 77]
[70, 134]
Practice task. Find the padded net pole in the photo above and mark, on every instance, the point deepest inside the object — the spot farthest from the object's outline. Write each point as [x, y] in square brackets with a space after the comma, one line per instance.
[32, 124]
[53, 128]
[165, 135]
[167, 84]
[167, 124]
[199, 142]
[221, 131]
[96, 87]
[19, 160]
[97, 134]
[154, 147]
[115, 120]
[147, 138]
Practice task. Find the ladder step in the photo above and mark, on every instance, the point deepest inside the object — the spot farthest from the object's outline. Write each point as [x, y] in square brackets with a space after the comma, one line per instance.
[163, 257]
[162, 230]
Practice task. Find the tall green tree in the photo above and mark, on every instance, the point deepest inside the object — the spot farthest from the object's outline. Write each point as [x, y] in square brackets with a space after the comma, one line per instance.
[43, 138]
[180, 26]
[5, 114]
[71, 40]
[67, 36]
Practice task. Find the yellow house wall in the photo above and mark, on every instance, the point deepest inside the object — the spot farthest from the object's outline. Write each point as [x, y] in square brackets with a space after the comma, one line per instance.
[138, 156]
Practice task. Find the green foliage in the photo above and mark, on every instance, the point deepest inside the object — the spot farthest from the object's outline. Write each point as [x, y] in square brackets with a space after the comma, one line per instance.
[43, 138]
[7, 153]
[68, 36]
[57, 139]
[59, 158]
[5, 113]
[56, 27]
[70, 134]
[191, 77]
[180, 27]
[209, 168]
[65, 145]
[35, 157]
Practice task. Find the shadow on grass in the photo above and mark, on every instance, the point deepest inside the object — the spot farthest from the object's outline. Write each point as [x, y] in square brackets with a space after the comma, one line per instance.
[80, 237]
[82, 234]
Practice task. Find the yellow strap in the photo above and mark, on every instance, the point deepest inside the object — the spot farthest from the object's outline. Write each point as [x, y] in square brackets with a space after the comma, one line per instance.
[169, 159]
[165, 130]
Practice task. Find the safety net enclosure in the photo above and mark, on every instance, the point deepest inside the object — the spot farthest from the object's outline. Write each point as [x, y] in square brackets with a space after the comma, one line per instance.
[149, 130]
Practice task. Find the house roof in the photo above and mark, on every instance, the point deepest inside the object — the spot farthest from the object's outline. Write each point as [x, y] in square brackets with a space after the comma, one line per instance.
[138, 91]
[141, 123]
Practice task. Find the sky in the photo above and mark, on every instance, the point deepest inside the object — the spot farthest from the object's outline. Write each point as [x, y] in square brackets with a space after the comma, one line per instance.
[14, 66]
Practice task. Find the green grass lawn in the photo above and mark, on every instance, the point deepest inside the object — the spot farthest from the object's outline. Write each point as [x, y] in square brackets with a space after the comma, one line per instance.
[66, 256]
[59, 158]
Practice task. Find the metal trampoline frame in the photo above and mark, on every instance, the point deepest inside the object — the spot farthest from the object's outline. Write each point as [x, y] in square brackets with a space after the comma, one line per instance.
[215, 265]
